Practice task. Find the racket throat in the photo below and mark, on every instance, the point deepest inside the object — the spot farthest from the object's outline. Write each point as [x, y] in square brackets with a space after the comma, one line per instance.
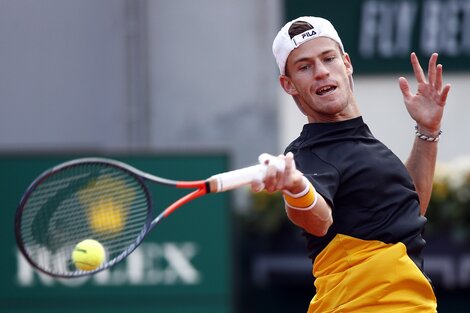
[189, 197]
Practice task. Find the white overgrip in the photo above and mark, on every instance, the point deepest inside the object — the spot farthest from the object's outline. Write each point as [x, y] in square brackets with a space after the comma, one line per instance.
[244, 176]
[237, 178]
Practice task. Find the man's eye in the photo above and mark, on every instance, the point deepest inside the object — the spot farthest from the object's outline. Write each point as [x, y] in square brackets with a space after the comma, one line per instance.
[304, 67]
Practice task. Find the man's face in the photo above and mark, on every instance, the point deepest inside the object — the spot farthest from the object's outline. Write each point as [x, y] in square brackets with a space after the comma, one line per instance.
[317, 76]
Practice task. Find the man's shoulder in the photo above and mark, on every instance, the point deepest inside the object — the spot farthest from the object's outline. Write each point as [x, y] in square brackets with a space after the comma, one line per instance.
[293, 146]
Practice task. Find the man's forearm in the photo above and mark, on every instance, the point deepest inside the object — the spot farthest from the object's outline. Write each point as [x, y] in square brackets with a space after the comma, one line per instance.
[421, 165]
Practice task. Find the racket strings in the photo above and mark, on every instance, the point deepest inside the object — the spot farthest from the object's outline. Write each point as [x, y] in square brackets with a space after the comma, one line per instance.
[92, 201]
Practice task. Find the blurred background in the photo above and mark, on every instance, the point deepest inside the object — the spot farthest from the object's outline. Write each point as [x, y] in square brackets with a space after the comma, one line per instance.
[186, 89]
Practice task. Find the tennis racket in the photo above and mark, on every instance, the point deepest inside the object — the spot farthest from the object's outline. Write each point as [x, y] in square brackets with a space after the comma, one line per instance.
[104, 200]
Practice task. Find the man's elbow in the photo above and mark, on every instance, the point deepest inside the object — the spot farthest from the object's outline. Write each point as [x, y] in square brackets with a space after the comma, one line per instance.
[311, 223]
[320, 229]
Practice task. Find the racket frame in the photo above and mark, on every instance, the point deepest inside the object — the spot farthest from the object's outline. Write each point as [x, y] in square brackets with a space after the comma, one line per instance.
[134, 172]
[216, 183]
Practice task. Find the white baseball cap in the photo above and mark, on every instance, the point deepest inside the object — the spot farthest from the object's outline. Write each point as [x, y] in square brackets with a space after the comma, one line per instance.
[283, 44]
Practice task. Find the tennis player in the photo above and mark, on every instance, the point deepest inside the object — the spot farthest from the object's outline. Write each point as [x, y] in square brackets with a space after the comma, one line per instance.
[362, 209]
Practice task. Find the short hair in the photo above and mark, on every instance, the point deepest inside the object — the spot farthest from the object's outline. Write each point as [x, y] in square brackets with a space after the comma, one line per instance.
[298, 28]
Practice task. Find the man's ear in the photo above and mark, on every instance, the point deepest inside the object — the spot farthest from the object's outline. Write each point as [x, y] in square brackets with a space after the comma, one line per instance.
[287, 85]
[348, 64]
[349, 69]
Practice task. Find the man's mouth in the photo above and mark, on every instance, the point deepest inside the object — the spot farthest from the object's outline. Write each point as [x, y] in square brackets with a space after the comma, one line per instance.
[325, 89]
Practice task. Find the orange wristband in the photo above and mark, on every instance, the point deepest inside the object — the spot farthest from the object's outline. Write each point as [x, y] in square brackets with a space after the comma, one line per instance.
[304, 200]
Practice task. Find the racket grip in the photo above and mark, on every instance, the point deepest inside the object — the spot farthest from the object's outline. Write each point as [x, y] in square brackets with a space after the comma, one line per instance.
[244, 176]
[237, 178]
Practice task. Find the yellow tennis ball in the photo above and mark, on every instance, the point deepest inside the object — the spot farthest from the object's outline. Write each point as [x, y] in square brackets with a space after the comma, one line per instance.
[88, 255]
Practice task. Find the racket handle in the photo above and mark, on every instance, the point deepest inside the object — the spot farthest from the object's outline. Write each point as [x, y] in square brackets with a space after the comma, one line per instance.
[244, 176]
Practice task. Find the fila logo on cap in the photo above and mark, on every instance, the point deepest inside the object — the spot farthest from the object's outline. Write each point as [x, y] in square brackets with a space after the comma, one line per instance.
[301, 38]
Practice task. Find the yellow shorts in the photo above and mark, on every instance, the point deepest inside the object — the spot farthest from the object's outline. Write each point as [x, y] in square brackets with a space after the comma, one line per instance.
[361, 276]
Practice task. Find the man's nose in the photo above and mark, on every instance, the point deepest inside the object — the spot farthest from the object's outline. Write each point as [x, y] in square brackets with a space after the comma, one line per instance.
[321, 71]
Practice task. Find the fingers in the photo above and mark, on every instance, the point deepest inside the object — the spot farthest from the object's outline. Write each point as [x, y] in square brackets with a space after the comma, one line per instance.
[432, 69]
[257, 185]
[417, 69]
[404, 87]
[438, 82]
[288, 171]
[290, 163]
[435, 78]
[277, 177]
[273, 176]
[444, 94]
[273, 164]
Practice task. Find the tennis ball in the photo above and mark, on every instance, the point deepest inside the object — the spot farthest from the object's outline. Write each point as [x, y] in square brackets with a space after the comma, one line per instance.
[88, 255]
